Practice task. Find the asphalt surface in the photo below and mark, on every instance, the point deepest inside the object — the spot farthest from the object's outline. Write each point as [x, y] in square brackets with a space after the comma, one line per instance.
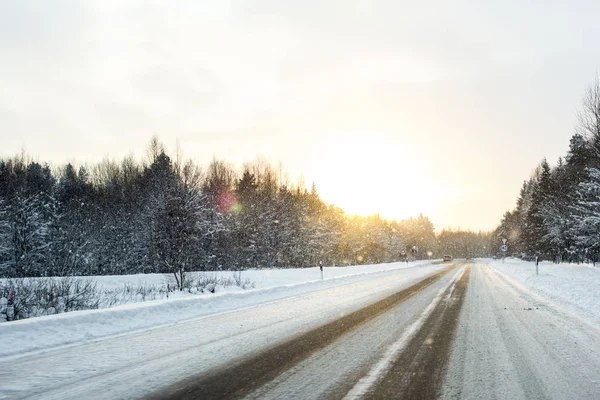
[419, 371]
[241, 379]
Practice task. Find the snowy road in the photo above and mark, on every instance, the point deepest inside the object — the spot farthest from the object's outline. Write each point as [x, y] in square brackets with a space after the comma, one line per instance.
[510, 344]
[466, 332]
[325, 362]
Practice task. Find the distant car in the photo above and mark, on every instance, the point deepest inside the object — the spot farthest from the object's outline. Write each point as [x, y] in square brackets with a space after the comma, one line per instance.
[447, 258]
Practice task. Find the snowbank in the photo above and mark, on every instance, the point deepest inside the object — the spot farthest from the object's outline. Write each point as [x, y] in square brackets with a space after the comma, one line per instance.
[263, 278]
[576, 288]
[116, 290]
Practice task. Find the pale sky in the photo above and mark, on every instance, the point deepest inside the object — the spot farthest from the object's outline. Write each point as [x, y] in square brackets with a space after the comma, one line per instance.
[397, 107]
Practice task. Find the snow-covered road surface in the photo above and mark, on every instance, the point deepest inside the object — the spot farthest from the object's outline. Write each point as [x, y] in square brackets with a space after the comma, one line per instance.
[469, 332]
[513, 344]
[323, 362]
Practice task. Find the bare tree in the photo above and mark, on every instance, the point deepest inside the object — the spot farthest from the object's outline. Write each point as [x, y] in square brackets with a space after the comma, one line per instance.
[155, 149]
[220, 177]
[588, 124]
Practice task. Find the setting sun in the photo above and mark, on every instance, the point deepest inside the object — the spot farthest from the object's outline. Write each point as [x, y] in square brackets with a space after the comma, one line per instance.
[371, 173]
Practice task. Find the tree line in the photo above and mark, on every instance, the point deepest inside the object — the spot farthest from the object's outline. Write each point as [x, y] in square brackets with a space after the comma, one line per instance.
[163, 214]
[557, 216]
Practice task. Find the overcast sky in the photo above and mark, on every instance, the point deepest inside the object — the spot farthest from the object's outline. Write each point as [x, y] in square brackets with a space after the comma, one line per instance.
[392, 106]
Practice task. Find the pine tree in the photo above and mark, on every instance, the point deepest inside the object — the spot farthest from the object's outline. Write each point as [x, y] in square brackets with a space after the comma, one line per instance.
[587, 214]
[534, 227]
[5, 240]
[29, 229]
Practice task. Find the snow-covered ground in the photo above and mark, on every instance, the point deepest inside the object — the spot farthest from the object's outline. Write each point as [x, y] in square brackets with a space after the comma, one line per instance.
[116, 290]
[167, 347]
[48, 332]
[519, 335]
[574, 288]
[263, 278]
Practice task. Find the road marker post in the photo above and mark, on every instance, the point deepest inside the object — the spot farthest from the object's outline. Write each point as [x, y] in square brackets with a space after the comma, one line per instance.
[503, 249]
[321, 267]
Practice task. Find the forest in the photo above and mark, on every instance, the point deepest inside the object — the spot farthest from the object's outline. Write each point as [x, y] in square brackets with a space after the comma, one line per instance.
[166, 215]
[557, 216]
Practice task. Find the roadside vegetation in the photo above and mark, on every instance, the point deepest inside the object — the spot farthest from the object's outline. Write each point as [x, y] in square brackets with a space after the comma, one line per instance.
[22, 298]
[557, 216]
[162, 214]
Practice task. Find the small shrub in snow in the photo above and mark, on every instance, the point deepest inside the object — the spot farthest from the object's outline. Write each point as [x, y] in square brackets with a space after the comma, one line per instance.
[207, 282]
[3, 304]
[244, 283]
[32, 297]
[132, 294]
[210, 282]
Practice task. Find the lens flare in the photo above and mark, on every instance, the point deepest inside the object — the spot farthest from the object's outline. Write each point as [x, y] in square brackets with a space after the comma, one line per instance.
[227, 203]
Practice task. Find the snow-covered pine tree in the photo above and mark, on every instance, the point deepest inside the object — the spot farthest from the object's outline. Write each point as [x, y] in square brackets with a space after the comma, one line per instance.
[5, 240]
[587, 215]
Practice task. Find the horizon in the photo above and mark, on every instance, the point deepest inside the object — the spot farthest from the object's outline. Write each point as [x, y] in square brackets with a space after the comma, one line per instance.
[284, 179]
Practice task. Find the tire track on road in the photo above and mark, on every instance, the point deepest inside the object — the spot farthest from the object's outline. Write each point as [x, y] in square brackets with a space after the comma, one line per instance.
[254, 370]
[419, 370]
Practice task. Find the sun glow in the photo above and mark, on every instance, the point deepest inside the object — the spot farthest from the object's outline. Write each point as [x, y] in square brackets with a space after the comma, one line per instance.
[372, 173]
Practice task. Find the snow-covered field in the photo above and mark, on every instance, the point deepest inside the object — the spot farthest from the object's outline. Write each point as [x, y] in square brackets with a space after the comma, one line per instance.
[574, 288]
[48, 332]
[263, 278]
